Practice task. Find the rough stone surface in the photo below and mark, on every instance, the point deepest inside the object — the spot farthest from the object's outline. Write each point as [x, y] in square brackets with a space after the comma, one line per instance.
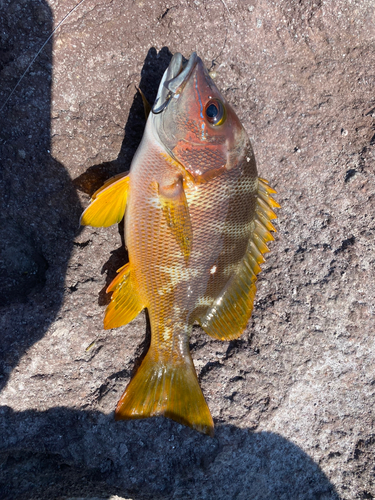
[293, 398]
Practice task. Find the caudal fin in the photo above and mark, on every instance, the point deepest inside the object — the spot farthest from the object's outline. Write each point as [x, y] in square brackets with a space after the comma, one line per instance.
[172, 390]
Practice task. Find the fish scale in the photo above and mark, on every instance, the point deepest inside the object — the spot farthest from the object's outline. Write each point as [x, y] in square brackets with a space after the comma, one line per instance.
[197, 223]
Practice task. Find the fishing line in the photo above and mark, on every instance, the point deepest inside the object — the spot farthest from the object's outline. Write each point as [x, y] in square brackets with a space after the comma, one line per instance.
[226, 7]
[39, 51]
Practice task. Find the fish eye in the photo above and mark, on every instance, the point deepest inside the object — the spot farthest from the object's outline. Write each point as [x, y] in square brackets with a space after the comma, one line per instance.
[215, 112]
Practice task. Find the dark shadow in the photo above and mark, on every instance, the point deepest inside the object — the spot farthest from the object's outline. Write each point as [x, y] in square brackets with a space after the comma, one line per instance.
[153, 68]
[63, 452]
[118, 258]
[39, 206]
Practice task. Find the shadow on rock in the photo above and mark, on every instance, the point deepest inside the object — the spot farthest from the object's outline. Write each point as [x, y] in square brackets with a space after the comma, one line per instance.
[154, 66]
[67, 452]
[38, 204]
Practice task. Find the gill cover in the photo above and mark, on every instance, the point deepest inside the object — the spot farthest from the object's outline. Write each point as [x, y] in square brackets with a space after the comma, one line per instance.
[194, 122]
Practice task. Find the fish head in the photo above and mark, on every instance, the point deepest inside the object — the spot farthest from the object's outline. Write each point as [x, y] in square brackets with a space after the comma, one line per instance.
[194, 122]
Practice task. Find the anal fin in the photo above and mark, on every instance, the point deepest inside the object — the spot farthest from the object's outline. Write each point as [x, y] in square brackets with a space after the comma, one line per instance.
[166, 388]
[108, 203]
[125, 303]
[231, 310]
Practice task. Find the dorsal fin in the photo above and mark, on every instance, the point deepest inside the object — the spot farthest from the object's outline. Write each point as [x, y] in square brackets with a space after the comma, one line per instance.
[108, 203]
[231, 310]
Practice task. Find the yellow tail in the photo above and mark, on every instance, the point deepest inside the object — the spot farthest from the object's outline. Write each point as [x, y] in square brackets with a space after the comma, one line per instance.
[168, 389]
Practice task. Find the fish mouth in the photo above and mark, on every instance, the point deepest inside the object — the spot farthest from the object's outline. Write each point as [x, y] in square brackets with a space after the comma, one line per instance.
[174, 76]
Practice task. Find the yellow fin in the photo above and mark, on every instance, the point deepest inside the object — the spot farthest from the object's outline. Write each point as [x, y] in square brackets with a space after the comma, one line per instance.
[263, 208]
[125, 304]
[168, 389]
[146, 104]
[264, 185]
[108, 203]
[256, 252]
[264, 192]
[264, 219]
[230, 312]
[176, 213]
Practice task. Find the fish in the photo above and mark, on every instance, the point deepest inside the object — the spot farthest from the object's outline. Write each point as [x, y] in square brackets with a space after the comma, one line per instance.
[197, 226]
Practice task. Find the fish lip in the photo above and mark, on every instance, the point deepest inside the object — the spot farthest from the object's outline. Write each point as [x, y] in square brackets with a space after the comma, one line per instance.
[174, 76]
[176, 82]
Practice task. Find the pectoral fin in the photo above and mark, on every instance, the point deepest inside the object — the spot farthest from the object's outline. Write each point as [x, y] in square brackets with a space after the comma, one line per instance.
[108, 203]
[146, 104]
[176, 213]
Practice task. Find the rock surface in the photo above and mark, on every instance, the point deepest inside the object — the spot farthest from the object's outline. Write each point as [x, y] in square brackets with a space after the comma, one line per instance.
[293, 398]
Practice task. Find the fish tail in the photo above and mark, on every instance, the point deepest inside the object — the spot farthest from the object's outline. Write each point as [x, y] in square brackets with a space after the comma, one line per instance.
[167, 388]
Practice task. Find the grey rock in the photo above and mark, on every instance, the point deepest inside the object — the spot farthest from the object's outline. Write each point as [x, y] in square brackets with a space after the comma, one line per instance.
[293, 398]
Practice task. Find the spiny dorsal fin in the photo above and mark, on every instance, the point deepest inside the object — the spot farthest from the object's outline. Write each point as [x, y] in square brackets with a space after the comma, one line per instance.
[231, 311]
[176, 213]
[108, 203]
[125, 303]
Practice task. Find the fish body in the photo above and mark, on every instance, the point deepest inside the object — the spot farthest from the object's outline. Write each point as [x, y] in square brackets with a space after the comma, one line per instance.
[197, 223]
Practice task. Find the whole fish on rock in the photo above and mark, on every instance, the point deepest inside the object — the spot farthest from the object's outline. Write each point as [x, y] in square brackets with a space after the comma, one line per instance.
[197, 223]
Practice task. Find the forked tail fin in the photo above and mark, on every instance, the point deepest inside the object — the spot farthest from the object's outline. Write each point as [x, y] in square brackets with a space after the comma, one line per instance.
[168, 389]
